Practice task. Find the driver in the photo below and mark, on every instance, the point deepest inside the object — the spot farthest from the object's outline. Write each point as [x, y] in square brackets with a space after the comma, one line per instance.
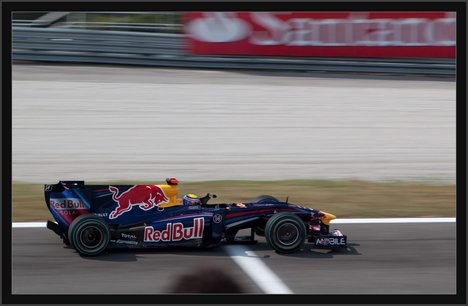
[191, 199]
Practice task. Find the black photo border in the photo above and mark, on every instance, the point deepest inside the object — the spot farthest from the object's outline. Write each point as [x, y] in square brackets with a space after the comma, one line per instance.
[8, 7]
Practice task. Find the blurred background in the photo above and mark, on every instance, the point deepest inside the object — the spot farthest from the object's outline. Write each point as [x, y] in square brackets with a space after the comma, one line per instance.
[352, 112]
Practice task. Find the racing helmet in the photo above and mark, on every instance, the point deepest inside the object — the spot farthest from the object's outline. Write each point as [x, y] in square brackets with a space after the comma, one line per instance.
[191, 199]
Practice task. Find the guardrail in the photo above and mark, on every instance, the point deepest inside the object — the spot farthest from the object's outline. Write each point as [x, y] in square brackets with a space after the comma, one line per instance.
[115, 26]
[122, 26]
[169, 50]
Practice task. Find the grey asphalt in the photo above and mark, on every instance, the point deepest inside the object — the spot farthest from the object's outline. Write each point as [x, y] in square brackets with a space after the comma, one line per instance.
[98, 123]
[381, 259]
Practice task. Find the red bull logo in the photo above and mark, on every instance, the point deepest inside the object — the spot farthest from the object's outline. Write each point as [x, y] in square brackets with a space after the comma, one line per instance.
[67, 203]
[146, 197]
[175, 232]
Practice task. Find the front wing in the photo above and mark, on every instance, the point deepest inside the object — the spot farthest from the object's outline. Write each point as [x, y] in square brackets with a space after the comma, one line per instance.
[334, 240]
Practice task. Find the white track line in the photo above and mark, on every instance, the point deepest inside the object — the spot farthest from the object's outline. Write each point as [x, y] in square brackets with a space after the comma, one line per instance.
[28, 224]
[393, 220]
[336, 221]
[257, 270]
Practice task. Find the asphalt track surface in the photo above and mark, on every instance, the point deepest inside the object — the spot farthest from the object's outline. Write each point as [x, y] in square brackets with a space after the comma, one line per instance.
[97, 123]
[381, 259]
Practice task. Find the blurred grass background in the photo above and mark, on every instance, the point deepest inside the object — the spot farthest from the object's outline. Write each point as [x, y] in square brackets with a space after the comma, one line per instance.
[345, 199]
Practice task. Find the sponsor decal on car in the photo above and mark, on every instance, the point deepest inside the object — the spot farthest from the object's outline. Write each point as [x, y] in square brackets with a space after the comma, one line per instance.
[128, 236]
[102, 215]
[67, 203]
[125, 242]
[146, 197]
[331, 241]
[175, 232]
[217, 218]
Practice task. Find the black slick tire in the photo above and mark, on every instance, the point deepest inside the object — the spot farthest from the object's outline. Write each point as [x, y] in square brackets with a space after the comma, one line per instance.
[285, 232]
[89, 235]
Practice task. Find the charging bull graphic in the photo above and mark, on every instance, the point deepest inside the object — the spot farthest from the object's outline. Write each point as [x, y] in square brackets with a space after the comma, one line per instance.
[146, 197]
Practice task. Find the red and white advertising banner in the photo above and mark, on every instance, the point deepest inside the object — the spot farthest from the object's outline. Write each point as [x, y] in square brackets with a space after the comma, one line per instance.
[323, 34]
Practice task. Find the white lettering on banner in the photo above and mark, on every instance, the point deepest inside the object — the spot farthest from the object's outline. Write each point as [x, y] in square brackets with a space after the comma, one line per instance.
[356, 30]
[175, 232]
[277, 30]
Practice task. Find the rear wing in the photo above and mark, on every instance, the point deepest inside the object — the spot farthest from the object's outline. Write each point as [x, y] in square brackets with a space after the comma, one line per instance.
[60, 186]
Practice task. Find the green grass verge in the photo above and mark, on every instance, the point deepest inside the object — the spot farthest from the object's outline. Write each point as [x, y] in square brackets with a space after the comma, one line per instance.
[346, 199]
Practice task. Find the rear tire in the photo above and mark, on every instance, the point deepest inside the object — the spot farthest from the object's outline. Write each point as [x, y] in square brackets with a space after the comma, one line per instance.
[285, 233]
[89, 235]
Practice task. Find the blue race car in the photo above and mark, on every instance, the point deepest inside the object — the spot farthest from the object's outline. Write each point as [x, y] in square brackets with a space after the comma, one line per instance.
[93, 218]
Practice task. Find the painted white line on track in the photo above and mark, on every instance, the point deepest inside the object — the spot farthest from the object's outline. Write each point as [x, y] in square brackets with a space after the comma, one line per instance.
[257, 270]
[28, 224]
[393, 220]
[336, 221]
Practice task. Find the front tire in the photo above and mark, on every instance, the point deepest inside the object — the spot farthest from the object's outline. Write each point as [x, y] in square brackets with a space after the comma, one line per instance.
[89, 235]
[285, 233]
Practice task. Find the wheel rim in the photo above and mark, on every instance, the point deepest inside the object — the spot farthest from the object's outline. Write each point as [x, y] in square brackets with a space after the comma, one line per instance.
[91, 237]
[287, 234]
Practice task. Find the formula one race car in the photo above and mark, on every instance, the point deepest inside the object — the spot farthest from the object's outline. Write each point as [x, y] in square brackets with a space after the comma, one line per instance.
[95, 217]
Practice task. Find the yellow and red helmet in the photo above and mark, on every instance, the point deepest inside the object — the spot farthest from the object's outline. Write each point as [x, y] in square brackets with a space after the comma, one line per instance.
[191, 199]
